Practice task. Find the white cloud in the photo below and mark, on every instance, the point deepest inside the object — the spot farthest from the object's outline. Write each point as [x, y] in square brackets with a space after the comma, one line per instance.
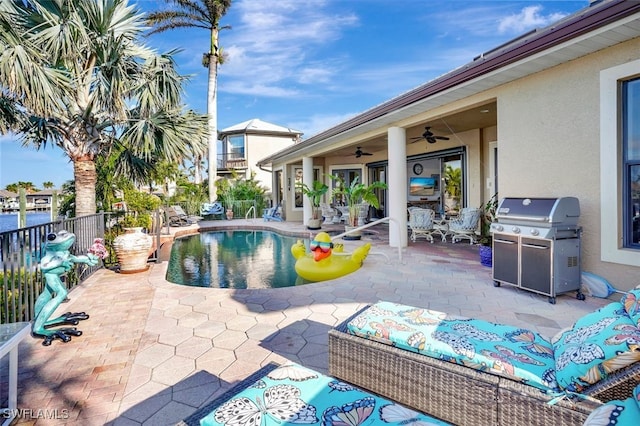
[529, 17]
[270, 47]
[317, 123]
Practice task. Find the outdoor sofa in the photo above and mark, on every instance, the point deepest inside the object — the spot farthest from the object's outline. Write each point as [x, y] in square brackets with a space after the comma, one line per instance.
[472, 372]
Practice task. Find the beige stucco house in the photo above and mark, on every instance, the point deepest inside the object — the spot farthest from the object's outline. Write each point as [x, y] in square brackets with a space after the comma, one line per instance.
[243, 144]
[554, 113]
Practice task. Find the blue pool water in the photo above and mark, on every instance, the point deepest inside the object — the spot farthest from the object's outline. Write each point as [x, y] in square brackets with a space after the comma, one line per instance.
[9, 221]
[234, 259]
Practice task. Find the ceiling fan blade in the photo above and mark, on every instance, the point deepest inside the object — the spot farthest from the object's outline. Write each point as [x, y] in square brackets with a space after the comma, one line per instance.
[367, 153]
[442, 138]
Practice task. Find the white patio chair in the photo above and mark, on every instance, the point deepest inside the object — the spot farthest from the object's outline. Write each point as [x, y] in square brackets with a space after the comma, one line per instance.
[421, 224]
[329, 213]
[465, 225]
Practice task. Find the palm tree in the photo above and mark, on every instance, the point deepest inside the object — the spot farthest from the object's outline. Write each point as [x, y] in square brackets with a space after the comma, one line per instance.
[453, 183]
[47, 185]
[84, 82]
[204, 14]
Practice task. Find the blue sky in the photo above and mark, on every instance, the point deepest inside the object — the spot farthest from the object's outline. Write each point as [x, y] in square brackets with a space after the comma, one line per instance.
[311, 64]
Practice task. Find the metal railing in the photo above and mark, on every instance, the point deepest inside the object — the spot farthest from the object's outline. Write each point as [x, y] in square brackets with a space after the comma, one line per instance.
[369, 225]
[21, 279]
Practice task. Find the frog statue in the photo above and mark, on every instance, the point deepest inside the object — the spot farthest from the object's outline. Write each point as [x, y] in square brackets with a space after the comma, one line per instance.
[57, 261]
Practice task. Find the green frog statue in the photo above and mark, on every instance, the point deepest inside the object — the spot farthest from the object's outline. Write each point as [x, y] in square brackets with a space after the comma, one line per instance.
[56, 262]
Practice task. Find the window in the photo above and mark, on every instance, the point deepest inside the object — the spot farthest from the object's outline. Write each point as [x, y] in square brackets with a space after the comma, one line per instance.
[631, 162]
[620, 163]
[236, 146]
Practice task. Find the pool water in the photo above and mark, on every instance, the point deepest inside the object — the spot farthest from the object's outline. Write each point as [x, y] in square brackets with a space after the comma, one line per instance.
[234, 259]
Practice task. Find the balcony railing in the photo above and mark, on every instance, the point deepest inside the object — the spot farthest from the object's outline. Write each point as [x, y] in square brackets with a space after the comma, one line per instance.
[231, 161]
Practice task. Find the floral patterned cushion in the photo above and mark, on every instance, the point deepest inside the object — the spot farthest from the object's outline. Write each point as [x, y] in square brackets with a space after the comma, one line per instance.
[631, 303]
[294, 394]
[619, 413]
[599, 343]
[513, 352]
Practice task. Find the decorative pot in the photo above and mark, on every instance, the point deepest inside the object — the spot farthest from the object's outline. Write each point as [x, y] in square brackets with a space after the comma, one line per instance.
[353, 235]
[314, 224]
[486, 256]
[229, 214]
[132, 249]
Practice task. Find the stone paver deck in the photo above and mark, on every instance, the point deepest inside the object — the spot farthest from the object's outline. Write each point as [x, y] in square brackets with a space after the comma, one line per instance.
[154, 352]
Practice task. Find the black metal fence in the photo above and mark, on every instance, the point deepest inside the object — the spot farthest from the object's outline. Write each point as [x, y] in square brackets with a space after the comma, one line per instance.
[21, 279]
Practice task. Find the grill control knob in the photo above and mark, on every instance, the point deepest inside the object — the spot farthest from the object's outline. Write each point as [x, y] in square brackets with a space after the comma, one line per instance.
[499, 228]
[535, 232]
[515, 230]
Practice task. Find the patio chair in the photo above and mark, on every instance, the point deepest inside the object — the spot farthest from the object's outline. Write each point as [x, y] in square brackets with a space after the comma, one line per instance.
[272, 213]
[177, 217]
[465, 225]
[329, 213]
[211, 209]
[421, 223]
[363, 213]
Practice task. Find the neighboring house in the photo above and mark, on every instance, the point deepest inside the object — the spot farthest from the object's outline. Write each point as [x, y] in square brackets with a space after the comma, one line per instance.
[8, 200]
[41, 200]
[552, 113]
[245, 143]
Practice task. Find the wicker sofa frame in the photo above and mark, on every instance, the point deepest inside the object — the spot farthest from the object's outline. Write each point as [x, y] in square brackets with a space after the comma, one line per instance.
[458, 394]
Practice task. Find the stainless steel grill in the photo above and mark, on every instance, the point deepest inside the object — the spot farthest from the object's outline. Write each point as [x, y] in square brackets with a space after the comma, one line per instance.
[536, 245]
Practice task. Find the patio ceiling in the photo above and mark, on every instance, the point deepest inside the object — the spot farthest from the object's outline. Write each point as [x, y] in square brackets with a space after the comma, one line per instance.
[478, 117]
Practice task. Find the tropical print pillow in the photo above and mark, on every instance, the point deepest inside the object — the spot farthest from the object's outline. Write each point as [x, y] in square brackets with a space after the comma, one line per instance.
[619, 413]
[631, 303]
[504, 350]
[599, 343]
[292, 394]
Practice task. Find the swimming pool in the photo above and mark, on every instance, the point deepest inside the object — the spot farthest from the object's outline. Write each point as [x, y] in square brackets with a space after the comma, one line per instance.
[234, 259]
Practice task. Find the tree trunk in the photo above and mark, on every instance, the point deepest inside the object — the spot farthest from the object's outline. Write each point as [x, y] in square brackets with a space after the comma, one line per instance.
[212, 111]
[84, 172]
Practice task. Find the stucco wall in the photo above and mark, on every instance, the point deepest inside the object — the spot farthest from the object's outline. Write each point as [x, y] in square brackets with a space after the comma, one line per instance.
[261, 146]
[549, 144]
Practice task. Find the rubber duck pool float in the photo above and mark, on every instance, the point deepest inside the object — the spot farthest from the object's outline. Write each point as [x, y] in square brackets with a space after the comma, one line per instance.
[326, 261]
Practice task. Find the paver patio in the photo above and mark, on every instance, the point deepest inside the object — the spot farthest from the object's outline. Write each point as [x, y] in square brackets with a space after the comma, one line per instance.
[154, 352]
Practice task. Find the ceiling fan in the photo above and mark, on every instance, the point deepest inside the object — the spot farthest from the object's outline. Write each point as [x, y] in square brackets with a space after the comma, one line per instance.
[429, 136]
[359, 152]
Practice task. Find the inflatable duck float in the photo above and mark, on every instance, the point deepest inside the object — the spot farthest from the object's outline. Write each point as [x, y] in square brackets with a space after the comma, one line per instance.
[326, 260]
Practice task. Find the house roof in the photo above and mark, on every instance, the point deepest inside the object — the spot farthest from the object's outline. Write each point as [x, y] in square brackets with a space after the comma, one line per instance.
[600, 25]
[7, 194]
[256, 125]
[44, 192]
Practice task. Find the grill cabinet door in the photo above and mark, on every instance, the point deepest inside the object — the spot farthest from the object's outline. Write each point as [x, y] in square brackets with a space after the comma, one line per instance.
[505, 258]
[536, 265]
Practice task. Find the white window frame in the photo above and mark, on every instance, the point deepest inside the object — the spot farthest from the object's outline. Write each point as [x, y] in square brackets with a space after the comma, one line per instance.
[611, 225]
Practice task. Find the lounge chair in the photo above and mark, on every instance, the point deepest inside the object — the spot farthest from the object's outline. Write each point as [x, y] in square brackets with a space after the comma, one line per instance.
[272, 213]
[177, 217]
[293, 394]
[472, 372]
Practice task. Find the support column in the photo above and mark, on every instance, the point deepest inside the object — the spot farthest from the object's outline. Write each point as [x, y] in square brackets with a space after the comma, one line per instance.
[397, 182]
[307, 179]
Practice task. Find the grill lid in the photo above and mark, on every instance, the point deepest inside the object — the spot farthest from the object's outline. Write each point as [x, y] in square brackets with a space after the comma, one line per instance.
[542, 211]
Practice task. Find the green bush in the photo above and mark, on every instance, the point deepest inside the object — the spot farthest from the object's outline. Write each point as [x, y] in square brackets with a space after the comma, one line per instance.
[12, 299]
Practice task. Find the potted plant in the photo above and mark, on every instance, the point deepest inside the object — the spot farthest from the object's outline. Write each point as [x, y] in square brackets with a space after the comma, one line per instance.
[134, 246]
[354, 196]
[314, 193]
[486, 239]
[227, 191]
